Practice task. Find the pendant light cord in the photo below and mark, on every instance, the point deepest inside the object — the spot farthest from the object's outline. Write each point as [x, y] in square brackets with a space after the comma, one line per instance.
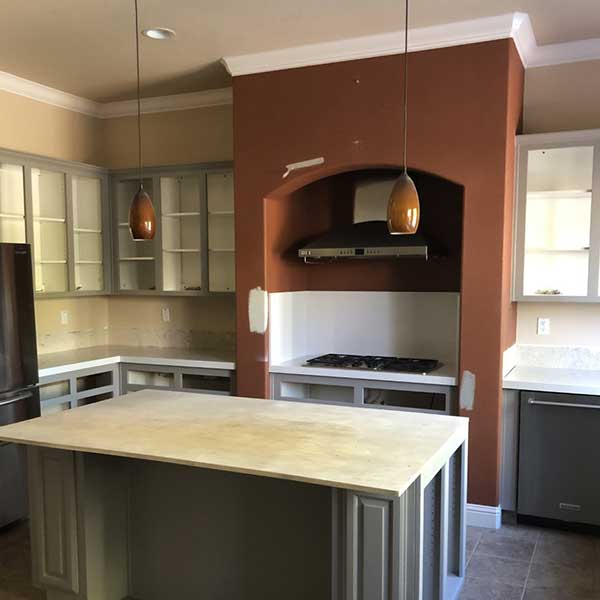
[405, 82]
[139, 100]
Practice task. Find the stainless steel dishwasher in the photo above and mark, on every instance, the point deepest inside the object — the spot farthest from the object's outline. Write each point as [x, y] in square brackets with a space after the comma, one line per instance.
[559, 457]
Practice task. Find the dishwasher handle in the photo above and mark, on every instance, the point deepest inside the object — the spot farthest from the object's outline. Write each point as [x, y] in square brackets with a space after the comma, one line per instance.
[562, 404]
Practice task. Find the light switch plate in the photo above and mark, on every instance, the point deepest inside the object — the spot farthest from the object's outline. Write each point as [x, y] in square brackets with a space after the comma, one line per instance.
[543, 326]
[165, 312]
[64, 317]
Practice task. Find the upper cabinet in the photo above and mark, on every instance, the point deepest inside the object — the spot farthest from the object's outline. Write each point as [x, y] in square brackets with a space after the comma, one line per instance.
[62, 210]
[557, 241]
[12, 203]
[193, 251]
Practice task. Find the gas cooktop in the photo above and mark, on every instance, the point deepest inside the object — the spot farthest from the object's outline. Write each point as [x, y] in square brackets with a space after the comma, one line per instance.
[374, 363]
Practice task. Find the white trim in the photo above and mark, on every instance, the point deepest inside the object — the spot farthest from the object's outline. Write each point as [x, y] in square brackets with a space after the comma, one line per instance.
[511, 25]
[384, 44]
[159, 104]
[47, 95]
[479, 515]
[42, 93]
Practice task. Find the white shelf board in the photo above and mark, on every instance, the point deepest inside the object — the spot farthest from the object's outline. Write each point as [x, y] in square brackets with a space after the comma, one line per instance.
[85, 230]
[181, 250]
[221, 213]
[88, 262]
[221, 249]
[555, 250]
[49, 220]
[182, 214]
[11, 216]
[50, 262]
[135, 258]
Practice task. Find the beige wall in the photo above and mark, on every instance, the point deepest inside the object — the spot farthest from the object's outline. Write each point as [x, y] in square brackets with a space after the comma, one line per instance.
[562, 97]
[199, 135]
[571, 324]
[179, 137]
[30, 126]
[88, 323]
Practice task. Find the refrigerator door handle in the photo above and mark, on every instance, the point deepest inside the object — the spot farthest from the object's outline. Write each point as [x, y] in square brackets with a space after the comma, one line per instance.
[18, 398]
[564, 404]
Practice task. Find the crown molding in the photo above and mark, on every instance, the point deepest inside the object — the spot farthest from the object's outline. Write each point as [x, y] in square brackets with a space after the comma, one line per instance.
[109, 110]
[511, 25]
[157, 104]
[42, 93]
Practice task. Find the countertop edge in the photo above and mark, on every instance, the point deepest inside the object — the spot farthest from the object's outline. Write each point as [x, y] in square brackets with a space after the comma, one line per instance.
[429, 379]
[117, 359]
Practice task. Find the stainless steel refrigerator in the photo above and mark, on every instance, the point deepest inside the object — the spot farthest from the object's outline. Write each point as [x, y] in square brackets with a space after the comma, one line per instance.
[19, 396]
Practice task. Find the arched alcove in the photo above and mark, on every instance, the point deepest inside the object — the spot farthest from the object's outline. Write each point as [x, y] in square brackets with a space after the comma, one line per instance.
[316, 203]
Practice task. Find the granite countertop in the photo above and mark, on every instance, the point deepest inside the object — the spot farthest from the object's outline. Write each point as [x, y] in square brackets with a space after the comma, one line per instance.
[361, 449]
[550, 379]
[444, 375]
[97, 356]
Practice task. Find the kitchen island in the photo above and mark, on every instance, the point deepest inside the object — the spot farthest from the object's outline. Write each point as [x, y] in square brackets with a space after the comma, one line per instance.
[162, 495]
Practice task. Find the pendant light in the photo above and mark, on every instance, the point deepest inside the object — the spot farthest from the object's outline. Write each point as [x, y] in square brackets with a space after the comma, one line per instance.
[403, 207]
[142, 219]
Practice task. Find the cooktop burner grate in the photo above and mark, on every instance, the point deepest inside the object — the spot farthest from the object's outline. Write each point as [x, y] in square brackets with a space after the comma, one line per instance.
[374, 363]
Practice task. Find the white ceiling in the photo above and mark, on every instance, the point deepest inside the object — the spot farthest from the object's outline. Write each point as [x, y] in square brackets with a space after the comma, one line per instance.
[86, 47]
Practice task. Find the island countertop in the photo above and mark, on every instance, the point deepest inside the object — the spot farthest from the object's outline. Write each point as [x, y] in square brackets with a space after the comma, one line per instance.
[363, 449]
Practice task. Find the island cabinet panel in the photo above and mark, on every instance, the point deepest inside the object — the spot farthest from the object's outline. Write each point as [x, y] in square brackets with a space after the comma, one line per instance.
[53, 501]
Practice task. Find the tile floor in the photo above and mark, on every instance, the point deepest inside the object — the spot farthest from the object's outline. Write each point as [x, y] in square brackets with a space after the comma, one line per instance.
[512, 563]
[528, 563]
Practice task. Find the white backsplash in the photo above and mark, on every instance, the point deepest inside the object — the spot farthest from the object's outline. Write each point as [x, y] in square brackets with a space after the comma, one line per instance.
[415, 324]
[559, 357]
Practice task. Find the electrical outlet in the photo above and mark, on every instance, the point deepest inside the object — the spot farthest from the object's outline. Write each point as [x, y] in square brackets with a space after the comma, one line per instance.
[165, 312]
[64, 317]
[543, 326]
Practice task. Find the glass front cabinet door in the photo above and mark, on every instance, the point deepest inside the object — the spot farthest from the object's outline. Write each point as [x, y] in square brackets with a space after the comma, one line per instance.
[557, 241]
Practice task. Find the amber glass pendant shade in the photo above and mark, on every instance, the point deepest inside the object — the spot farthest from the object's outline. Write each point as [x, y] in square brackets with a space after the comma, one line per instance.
[404, 210]
[142, 219]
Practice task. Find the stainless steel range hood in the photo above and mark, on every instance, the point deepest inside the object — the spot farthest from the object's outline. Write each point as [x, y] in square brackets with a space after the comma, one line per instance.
[370, 239]
[367, 236]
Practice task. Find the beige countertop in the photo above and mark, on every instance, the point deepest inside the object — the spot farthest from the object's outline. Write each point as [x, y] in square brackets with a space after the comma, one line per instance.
[363, 449]
[62, 362]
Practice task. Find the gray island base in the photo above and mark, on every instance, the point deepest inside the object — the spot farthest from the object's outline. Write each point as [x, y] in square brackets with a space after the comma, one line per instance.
[164, 495]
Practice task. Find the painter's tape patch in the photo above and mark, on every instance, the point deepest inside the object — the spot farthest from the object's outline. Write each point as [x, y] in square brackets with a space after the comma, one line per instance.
[467, 391]
[258, 310]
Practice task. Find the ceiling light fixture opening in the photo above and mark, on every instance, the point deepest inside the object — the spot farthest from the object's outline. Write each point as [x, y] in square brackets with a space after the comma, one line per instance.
[159, 33]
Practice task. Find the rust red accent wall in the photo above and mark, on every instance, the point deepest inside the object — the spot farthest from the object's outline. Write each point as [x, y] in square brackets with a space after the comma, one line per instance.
[464, 103]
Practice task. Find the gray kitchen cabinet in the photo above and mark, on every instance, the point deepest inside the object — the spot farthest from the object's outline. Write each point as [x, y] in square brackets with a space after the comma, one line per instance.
[557, 221]
[558, 457]
[62, 209]
[413, 397]
[136, 377]
[193, 252]
[78, 388]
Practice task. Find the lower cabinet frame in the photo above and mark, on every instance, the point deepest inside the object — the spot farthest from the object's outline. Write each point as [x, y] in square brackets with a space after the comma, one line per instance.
[407, 547]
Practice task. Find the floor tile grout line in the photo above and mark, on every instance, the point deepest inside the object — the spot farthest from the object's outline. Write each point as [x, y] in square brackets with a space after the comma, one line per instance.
[530, 566]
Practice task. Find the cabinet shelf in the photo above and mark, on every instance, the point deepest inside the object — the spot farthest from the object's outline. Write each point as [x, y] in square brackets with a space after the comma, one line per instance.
[11, 216]
[181, 214]
[50, 262]
[85, 230]
[136, 258]
[88, 262]
[221, 213]
[49, 220]
[181, 250]
[221, 249]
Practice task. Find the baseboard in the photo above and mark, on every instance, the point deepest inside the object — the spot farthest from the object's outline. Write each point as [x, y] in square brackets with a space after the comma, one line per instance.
[479, 515]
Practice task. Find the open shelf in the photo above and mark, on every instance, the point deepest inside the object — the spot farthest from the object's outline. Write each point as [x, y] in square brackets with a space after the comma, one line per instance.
[50, 230]
[181, 232]
[12, 204]
[221, 232]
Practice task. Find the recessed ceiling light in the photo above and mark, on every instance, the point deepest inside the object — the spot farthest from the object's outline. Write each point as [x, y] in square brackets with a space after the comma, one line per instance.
[159, 33]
